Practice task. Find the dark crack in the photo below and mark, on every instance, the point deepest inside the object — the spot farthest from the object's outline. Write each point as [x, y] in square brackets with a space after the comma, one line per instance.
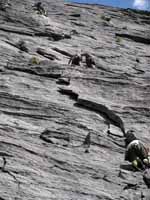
[135, 38]
[102, 109]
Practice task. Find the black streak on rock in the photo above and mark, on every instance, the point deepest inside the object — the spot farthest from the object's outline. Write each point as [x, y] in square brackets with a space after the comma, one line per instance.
[110, 115]
[135, 38]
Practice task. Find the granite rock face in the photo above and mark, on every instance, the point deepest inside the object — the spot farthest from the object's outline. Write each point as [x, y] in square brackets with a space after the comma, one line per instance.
[48, 107]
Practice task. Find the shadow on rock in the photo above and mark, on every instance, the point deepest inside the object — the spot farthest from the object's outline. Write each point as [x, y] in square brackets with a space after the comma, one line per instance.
[127, 167]
[55, 137]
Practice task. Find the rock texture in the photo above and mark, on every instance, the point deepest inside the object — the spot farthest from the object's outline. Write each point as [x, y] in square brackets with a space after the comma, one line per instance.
[48, 107]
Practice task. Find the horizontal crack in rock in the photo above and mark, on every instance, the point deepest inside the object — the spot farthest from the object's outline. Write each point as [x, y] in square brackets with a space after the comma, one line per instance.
[135, 38]
[65, 53]
[69, 92]
[46, 54]
[55, 137]
[53, 35]
[16, 30]
[33, 72]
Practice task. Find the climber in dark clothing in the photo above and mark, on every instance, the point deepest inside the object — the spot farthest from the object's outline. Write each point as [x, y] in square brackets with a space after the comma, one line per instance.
[75, 60]
[87, 142]
[40, 9]
[88, 59]
[136, 152]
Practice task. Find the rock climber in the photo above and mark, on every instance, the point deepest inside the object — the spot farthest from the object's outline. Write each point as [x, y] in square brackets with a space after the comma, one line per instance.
[39, 8]
[88, 59]
[136, 152]
[87, 142]
[75, 60]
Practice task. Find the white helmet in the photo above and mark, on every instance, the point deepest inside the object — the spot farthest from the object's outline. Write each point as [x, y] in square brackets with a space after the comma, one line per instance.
[146, 161]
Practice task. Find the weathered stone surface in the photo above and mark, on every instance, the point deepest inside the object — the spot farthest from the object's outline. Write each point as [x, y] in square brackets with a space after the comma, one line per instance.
[146, 177]
[39, 91]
